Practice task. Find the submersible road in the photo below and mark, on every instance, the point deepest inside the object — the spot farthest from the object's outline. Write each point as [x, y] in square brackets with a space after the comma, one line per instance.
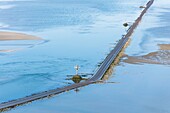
[97, 76]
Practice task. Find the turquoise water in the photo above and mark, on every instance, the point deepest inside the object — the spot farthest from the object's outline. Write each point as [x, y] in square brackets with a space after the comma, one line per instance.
[83, 32]
[76, 32]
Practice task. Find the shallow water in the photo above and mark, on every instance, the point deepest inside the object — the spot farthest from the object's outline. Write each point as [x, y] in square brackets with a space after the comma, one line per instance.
[78, 32]
[83, 32]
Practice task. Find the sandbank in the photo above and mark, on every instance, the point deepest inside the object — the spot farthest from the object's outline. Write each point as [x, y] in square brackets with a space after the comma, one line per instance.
[13, 36]
[6, 36]
[161, 56]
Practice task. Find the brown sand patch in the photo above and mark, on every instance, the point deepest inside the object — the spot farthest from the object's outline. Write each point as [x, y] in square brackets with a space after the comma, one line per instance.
[9, 36]
[11, 50]
[16, 36]
[164, 46]
[159, 57]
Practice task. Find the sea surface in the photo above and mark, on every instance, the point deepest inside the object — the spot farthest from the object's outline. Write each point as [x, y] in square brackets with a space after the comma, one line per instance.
[82, 32]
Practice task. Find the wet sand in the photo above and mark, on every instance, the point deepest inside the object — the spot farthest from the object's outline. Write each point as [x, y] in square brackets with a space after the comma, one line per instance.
[13, 36]
[6, 36]
[164, 46]
[161, 56]
[11, 50]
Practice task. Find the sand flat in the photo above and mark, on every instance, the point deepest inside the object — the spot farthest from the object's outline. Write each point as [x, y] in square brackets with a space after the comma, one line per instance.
[10, 50]
[164, 46]
[4, 36]
[161, 56]
[13, 36]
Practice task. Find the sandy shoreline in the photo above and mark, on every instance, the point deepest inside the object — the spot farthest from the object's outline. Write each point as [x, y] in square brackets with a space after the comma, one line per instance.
[161, 56]
[164, 46]
[11, 36]
[7, 50]
[6, 36]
